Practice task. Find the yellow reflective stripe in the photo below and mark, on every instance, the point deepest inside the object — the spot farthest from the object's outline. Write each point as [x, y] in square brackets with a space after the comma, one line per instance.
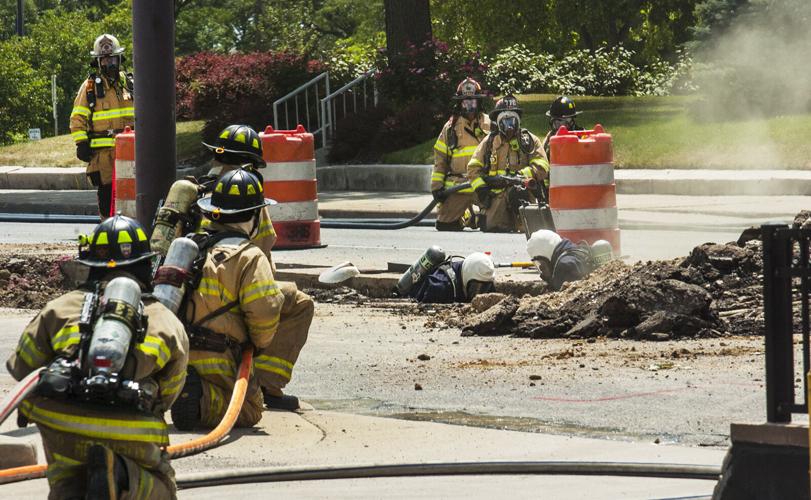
[109, 114]
[145, 483]
[60, 468]
[172, 385]
[263, 327]
[526, 171]
[102, 142]
[214, 366]
[274, 365]
[210, 286]
[217, 399]
[155, 346]
[477, 183]
[79, 136]
[65, 338]
[437, 177]
[135, 428]
[540, 162]
[258, 290]
[468, 151]
[441, 147]
[498, 172]
[474, 163]
[265, 229]
[28, 351]
[80, 111]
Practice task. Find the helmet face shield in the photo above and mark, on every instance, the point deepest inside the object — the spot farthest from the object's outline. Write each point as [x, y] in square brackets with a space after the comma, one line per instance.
[109, 65]
[558, 122]
[509, 123]
[470, 106]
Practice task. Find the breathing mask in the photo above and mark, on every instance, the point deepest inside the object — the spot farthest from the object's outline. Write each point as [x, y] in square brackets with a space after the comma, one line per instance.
[509, 123]
[470, 106]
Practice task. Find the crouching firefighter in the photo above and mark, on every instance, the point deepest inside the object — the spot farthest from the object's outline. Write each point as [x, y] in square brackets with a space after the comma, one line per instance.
[507, 151]
[239, 146]
[116, 360]
[444, 281]
[234, 301]
[560, 260]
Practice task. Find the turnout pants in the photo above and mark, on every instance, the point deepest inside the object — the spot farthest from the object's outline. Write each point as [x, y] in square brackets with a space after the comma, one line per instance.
[453, 208]
[273, 365]
[100, 173]
[218, 372]
[149, 472]
[498, 218]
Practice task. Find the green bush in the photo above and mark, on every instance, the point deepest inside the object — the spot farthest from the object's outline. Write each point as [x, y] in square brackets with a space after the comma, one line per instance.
[24, 96]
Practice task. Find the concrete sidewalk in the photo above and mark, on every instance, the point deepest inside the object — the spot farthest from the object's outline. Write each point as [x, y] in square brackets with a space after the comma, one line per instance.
[324, 438]
[416, 179]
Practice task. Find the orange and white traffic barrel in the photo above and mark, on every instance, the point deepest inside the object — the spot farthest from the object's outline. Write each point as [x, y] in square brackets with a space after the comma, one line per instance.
[290, 180]
[582, 191]
[124, 174]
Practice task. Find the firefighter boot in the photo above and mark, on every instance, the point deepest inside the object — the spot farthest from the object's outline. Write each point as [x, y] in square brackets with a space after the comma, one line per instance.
[106, 474]
[186, 410]
[275, 399]
[449, 226]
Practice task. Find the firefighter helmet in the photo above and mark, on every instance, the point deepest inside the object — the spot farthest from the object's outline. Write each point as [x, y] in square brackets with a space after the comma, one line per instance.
[106, 45]
[506, 103]
[237, 195]
[478, 274]
[542, 244]
[117, 241]
[562, 107]
[236, 145]
[468, 89]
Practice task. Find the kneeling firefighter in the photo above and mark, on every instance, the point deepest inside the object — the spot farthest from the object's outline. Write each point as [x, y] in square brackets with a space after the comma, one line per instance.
[116, 360]
[507, 151]
[561, 113]
[457, 141]
[560, 260]
[435, 279]
[239, 146]
[235, 301]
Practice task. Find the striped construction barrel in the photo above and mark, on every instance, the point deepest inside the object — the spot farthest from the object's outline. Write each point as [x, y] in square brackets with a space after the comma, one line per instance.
[123, 199]
[582, 191]
[290, 180]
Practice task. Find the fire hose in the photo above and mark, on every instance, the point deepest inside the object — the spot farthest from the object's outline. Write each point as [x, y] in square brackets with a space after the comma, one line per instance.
[210, 440]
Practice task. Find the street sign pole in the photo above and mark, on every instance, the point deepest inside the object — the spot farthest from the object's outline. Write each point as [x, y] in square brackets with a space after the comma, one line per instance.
[53, 103]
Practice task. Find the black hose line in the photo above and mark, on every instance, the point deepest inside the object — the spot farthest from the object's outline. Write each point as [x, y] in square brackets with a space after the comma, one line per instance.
[628, 469]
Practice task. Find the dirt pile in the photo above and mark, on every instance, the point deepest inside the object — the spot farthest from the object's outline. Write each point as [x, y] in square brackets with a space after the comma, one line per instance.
[337, 295]
[30, 281]
[716, 290]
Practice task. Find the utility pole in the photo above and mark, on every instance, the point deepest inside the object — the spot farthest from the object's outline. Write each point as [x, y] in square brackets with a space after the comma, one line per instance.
[20, 18]
[153, 28]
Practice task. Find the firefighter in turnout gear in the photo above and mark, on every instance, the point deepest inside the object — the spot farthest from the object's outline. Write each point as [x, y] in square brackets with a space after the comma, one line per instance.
[104, 435]
[561, 113]
[508, 150]
[102, 108]
[460, 135]
[273, 366]
[236, 301]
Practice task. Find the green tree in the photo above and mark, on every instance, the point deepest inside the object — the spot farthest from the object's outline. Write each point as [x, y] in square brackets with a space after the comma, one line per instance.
[24, 95]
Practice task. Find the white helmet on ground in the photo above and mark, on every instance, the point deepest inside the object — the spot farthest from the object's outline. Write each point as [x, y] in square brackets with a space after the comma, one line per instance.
[478, 267]
[542, 243]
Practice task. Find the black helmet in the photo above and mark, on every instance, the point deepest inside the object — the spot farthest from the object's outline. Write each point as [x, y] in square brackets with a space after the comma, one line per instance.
[506, 103]
[117, 241]
[237, 195]
[236, 145]
[562, 107]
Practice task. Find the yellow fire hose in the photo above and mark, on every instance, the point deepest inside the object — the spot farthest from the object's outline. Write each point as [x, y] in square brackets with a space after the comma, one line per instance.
[210, 440]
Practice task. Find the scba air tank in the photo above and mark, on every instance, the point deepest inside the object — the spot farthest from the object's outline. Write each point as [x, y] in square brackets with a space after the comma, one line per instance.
[121, 312]
[427, 262]
[601, 252]
[178, 202]
[169, 283]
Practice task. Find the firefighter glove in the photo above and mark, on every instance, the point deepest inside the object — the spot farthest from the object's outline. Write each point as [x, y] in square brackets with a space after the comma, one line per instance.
[83, 151]
[483, 195]
[439, 194]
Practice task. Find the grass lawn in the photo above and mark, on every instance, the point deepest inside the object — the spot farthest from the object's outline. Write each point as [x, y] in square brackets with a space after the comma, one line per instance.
[60, 151]
[657, 132]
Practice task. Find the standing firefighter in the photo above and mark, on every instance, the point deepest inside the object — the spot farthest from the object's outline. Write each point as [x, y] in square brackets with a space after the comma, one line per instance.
[101, 110]
[453, 148]
[112, 373]
[508, 151]
[235, 146]
[235, 302]
[562, 113]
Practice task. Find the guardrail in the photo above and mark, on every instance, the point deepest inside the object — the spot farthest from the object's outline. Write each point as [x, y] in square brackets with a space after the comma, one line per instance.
[786, 276]
[355, 90]
[311, 110]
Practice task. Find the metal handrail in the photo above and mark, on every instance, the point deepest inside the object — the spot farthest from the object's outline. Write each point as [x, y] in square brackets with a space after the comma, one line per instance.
[294, 95]
[328, 104]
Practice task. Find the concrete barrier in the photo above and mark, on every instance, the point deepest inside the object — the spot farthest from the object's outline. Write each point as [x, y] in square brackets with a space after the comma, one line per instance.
[403, 178]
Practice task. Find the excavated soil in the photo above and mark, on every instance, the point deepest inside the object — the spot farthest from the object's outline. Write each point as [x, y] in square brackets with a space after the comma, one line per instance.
[30, 276]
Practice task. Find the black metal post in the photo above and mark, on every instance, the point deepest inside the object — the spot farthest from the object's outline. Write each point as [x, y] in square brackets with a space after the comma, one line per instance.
[19, 24]
[778, 317]
[154, 56]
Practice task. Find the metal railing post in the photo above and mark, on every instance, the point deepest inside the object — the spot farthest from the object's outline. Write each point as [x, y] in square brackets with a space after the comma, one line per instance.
[777, 303]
